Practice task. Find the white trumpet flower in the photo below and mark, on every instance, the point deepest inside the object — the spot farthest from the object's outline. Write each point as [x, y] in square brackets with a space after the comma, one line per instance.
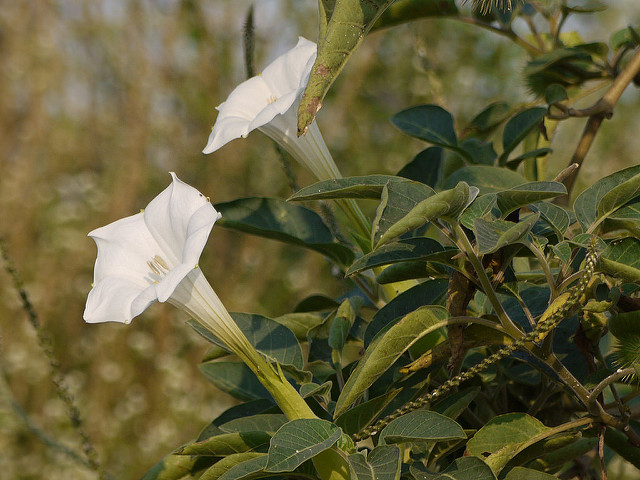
[153, 256]
[269, 102]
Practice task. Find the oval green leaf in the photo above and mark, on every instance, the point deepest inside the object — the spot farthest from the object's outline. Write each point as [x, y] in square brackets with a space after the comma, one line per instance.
[418, 248]
[385, 351]
[463, 468]
[518, 127]
[298, 441]
[587, 204]
[430, 123]
[487, 179]
[421, 425]
[276, 219]
[448, 204]
[227, 444]
[369, 186]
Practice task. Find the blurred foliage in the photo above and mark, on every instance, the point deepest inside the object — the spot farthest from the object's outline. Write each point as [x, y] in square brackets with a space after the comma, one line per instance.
[100, 99]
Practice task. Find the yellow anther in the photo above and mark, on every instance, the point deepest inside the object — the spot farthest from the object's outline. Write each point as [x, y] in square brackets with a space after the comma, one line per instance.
[160, 261]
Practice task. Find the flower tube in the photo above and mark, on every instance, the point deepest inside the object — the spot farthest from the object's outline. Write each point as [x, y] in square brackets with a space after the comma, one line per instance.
[153, 256]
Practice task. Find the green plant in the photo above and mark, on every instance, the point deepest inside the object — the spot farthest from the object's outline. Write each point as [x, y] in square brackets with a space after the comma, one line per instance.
[473, 342]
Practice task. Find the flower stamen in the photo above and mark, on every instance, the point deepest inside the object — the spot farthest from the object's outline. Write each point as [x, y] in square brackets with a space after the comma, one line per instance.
[158, 267]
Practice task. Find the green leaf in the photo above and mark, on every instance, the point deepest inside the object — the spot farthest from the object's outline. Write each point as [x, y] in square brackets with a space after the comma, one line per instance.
[421, 425]
[313, 389]
[621, 259]
[396, 201]
[248, 469]
[298, 441]
[430, 123]
[171, 467]
[568, 453]
[448, 204]
[268, 423]
[587, 6]
[463, 468]
[404, 11]
[562, 251]
[488, 119]
[315, 303]
[325, 11]
[618, 196]
[382, 463]
[358, 417]
[513, 163]
[417, 248]
[425, 167]
[300, 323]
[235, 378]
[503, 437]
[487, 179]
[626, 37]
[399, 272]
[276, 219]
[383, 353]
[526, 194]
[456, 403]
[521, 473]
[227, 444]
[625, 324]
[222, 467]
[619, 443]
[555, 93]
[557, 217]
[339, 330]
[214, 352]
[368, 186]
[587, 203]
[495, 234]
[481, 153]
[267, 336]
[247, 409]
[425, 293]
[479, 208]
[350, 21]
[628, 213]
[518, 127]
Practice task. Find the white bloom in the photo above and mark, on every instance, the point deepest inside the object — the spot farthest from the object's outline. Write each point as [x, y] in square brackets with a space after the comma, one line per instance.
[154, 255]
[269, 102]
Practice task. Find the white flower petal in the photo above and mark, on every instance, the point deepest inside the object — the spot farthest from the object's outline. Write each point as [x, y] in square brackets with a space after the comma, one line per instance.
[124, 248]
[290, 71]
[259, 100]
[145, 257]
[168, 215]
[117, 299]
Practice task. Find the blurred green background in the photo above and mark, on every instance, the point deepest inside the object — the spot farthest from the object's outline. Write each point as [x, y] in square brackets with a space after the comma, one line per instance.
[101, 98]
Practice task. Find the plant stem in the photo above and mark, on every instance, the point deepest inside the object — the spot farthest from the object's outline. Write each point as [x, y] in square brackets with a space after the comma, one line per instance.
[602, 109]
[505, 32]
[506, 322]
[593, 396]
[545, 267]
